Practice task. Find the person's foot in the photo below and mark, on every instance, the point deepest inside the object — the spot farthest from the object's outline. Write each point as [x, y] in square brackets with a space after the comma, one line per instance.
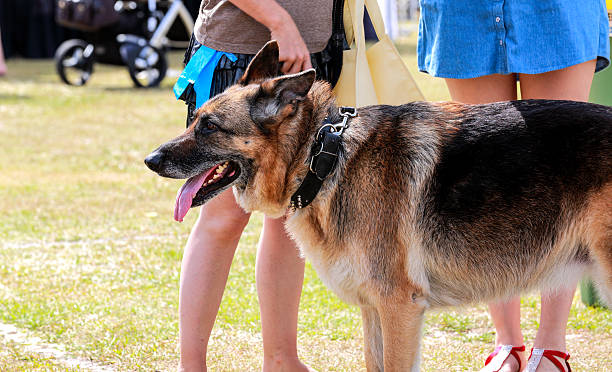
[3, 69]
[182, 367]
[285, 365]
[510, 364]
[544, 363]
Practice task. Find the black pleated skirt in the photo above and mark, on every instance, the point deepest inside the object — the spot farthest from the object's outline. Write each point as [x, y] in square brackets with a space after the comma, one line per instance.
[227, 73]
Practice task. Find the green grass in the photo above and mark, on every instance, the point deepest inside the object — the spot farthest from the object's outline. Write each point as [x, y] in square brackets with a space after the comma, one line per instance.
[90, 255]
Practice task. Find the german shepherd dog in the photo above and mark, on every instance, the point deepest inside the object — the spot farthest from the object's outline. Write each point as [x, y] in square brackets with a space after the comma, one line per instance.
[429, 204]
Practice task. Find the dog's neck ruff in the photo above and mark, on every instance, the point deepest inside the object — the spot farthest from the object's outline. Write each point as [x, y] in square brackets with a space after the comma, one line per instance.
[323, 157]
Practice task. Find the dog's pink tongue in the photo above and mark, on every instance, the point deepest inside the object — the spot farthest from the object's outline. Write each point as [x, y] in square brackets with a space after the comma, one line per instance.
[185, 196]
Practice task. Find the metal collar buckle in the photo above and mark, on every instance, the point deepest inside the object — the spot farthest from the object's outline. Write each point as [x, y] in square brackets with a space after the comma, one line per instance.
[323, 158]
[336, 129]
[346, 113]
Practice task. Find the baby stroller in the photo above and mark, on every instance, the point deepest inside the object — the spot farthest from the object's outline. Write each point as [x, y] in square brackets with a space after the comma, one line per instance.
[130, 33]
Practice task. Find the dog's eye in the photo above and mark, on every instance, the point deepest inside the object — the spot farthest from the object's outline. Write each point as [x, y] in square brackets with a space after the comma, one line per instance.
[206, 126]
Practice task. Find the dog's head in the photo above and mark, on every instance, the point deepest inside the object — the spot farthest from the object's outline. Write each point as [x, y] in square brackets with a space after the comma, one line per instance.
[235, 135]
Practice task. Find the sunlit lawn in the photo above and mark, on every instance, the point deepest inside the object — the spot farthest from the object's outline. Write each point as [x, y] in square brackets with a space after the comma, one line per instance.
[90, 255]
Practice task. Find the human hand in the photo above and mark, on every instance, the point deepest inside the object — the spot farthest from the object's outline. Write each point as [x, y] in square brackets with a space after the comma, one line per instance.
[293, 53]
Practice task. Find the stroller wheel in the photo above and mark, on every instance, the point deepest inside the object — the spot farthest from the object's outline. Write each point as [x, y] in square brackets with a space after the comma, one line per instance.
[74, 61]
[149, 67]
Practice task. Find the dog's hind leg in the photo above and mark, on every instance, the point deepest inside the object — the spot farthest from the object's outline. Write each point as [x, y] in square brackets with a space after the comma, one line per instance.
[600, 241]
[401, 330]
[602, 273]
[372, 337]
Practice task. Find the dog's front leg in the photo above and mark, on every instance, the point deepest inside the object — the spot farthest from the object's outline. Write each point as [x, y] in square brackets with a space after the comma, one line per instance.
[401, 331]
[373, 340]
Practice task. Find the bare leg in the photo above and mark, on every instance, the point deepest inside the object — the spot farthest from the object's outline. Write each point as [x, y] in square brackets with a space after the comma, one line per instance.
[553, 323]
[573, 83]
[506, 315]
[280, 274]
[484, 89]
[204, 270]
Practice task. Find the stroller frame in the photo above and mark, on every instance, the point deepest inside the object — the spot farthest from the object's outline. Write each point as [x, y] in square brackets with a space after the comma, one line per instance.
[143, 54]
[177, 9]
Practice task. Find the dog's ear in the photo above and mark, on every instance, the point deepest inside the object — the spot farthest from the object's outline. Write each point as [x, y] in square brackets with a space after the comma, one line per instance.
[263, 66]
[280, 97]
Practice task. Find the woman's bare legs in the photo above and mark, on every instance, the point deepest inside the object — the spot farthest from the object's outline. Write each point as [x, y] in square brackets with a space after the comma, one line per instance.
[280, 274]
[206, 263]
[506, 315]
[484, 89]
[571, 83]
[553, 323]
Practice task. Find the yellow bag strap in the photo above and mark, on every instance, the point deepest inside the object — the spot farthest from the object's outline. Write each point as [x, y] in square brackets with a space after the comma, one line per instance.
[356, 11]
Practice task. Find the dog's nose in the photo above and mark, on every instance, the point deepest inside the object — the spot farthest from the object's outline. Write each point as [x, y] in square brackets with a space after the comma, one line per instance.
[154, 160]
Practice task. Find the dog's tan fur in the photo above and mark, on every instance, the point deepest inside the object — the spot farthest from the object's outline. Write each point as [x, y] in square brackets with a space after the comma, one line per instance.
[384, 233]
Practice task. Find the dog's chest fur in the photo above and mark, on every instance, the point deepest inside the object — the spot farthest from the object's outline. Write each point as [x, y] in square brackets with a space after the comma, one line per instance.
[342, 274]
[339, 266]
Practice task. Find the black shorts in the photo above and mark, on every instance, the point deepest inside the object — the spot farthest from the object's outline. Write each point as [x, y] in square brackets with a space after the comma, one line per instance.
[227, 73]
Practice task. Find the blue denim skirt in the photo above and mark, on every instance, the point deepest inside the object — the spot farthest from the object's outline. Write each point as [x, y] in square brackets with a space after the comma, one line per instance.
[469, 38]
